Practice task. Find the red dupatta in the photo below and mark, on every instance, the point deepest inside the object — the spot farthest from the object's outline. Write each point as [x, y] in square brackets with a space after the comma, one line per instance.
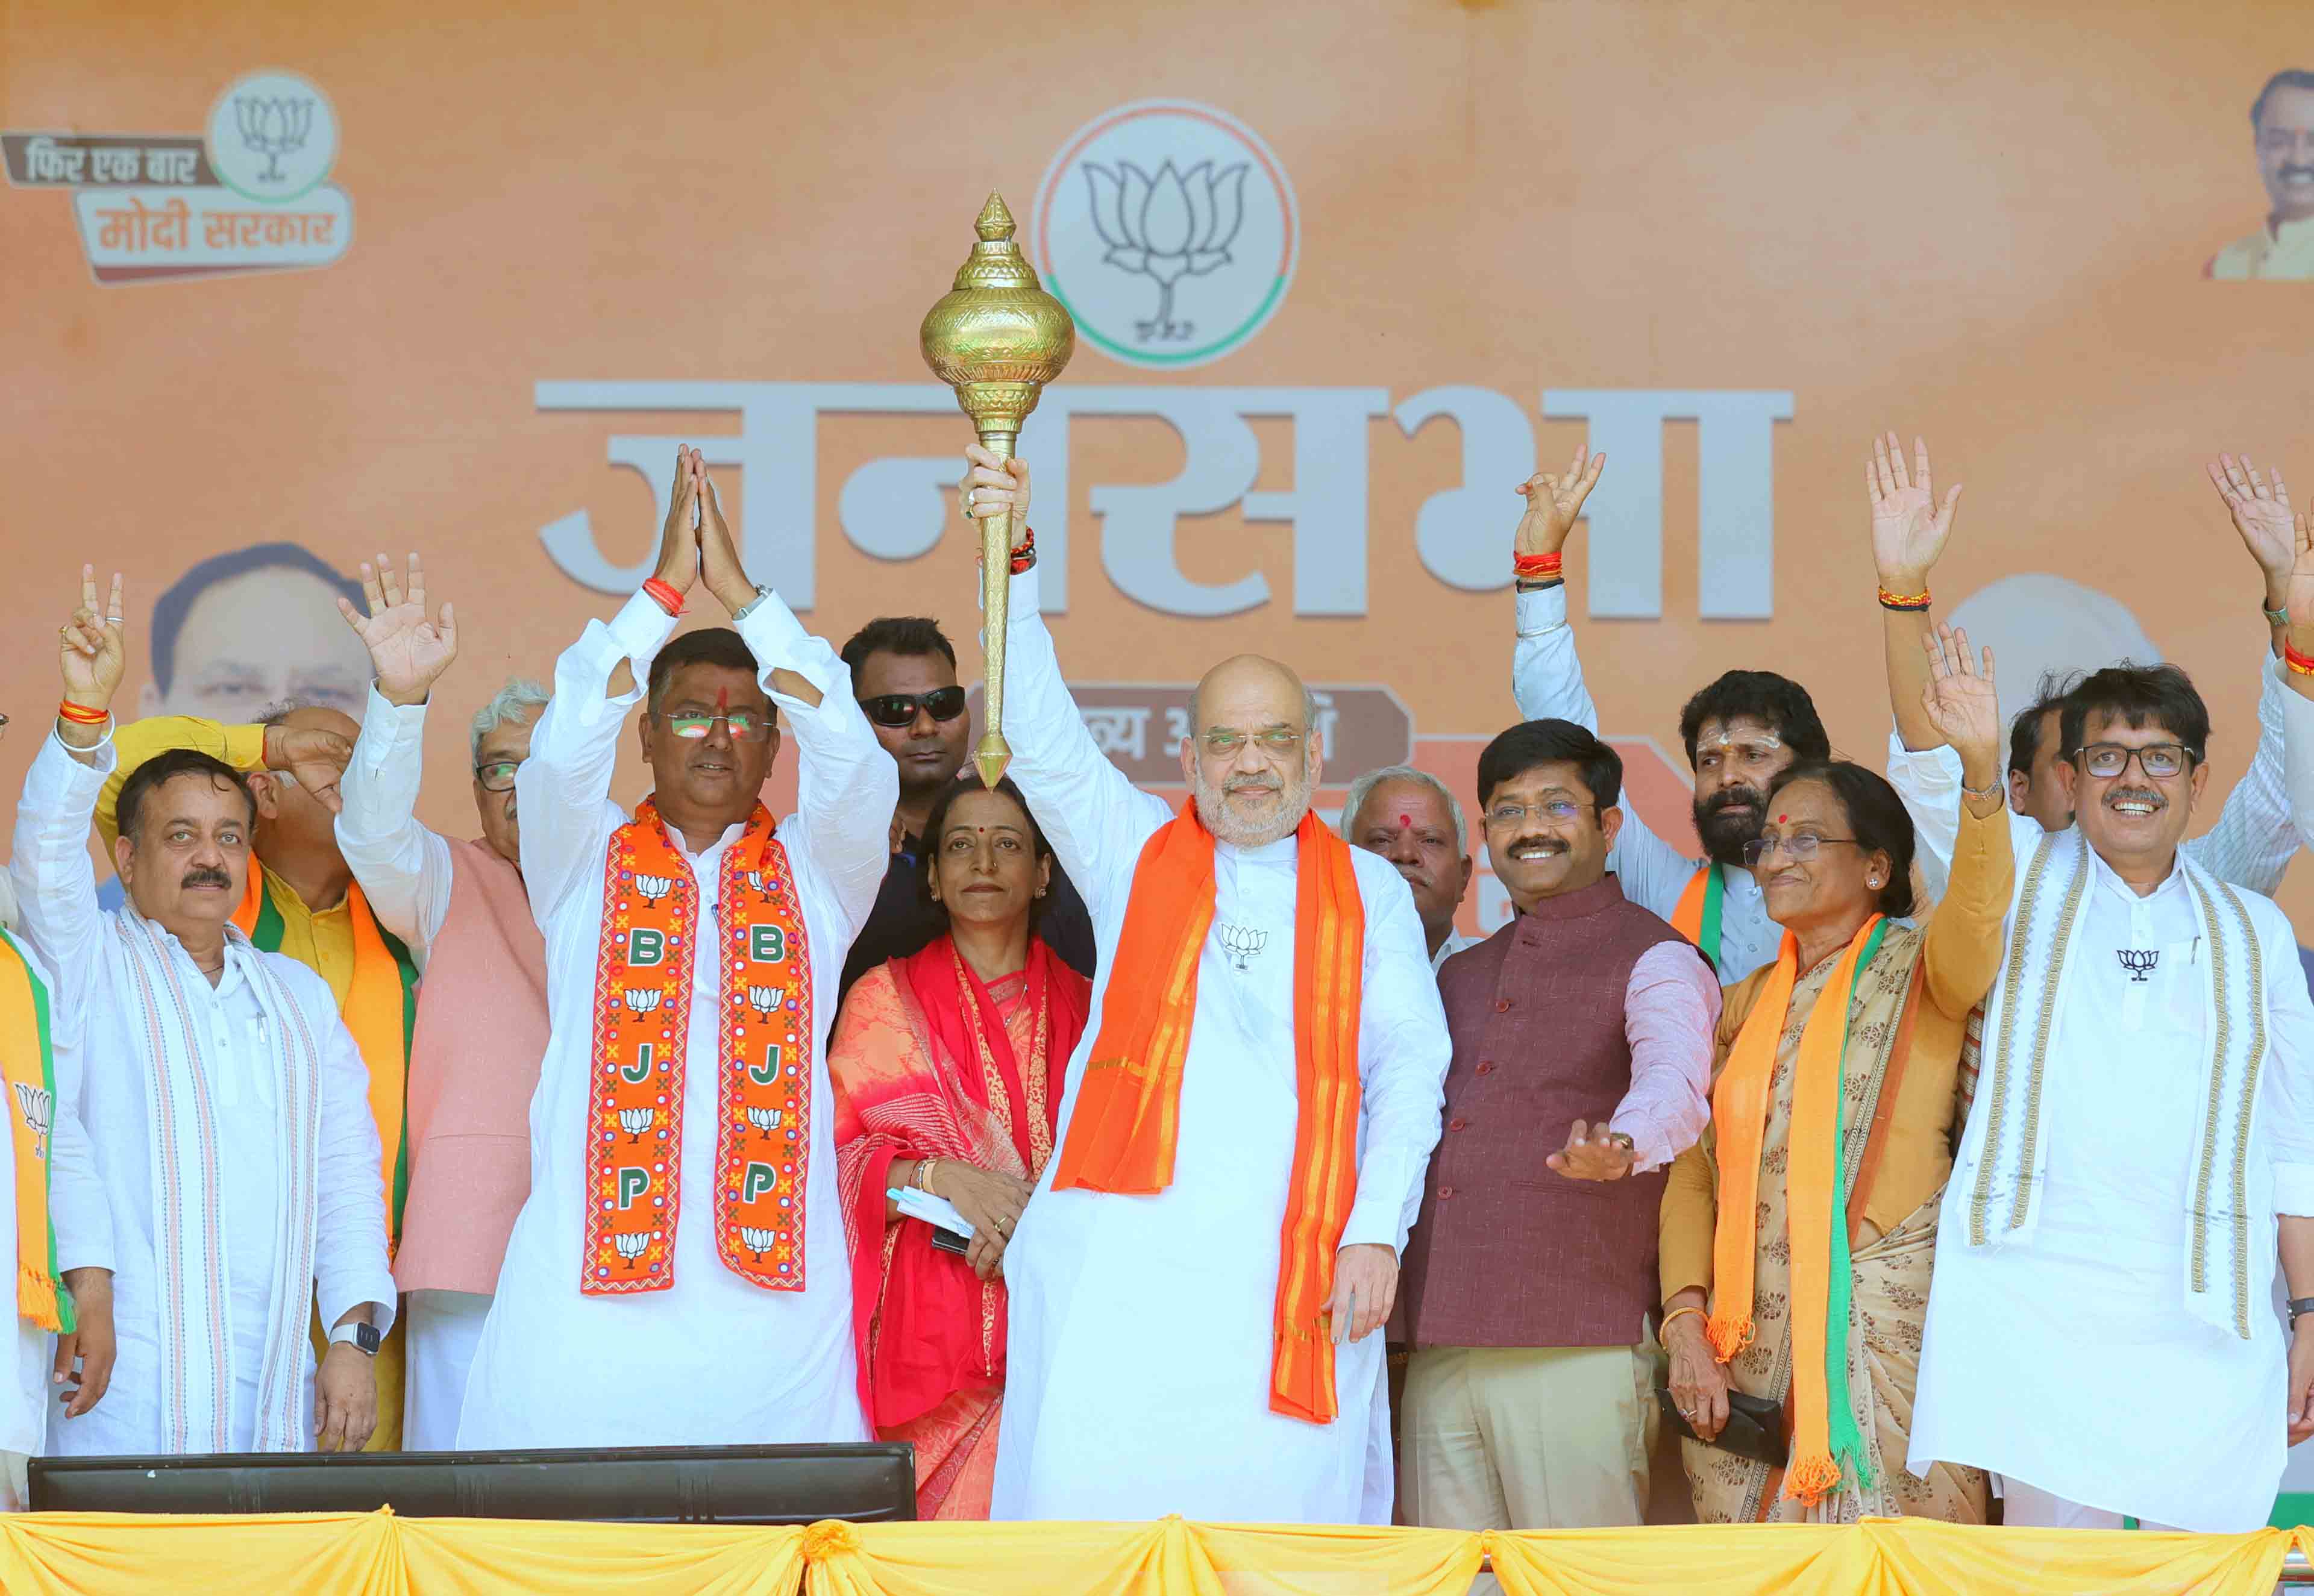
[923, 1066]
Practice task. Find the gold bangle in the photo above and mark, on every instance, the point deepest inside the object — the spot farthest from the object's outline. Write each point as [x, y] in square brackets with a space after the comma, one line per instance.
[923, 1175]
[1669, 1317]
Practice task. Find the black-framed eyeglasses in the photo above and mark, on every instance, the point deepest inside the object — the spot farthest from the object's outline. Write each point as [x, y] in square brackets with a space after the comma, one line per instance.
[746, 725]
[1798, 849]
[895, 710]
[1559, 811]
[2158, 761]
[497, 775]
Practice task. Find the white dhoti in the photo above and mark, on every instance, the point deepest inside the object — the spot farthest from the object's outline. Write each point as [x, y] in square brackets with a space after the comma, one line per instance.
[445, 1327]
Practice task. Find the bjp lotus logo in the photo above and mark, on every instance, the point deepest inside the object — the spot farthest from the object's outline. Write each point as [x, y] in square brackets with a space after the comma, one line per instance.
[1179, 241]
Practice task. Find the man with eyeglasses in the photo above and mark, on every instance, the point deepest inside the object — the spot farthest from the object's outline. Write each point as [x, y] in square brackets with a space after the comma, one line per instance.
[1196, 1282]
[2258, 829]
[678, 1275]
[481, 1027]
[904, 672]
[1583, 1024]
[1740, 731]
[2139, 1148]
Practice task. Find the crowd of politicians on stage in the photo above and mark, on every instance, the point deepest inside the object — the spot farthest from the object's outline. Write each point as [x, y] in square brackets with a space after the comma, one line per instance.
[1911, 1152]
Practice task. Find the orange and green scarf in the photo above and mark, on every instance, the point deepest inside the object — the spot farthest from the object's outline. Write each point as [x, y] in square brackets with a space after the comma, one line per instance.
[642, 1016]
[27, 1062]
[1696, 915]
[1128, 1119]
[1827, 1444]
[380, 1011]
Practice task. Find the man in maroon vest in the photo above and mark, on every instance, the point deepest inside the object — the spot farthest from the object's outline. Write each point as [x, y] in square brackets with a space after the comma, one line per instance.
[1585, 1025]
[482, 1030]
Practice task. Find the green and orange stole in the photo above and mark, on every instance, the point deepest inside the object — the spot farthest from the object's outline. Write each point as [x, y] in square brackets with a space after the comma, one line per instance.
[380, 1011]
[1827, 1443]
[1127, 1123]
[29, 1064]
[764, 1063]
[1696, 915]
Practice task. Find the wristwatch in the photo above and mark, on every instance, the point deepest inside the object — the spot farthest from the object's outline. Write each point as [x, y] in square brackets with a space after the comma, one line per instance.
[362, 1337]
[2298, 1305]
[748, 609]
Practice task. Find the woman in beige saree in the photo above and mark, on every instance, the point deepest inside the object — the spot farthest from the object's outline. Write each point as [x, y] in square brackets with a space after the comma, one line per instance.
[1797, 1236]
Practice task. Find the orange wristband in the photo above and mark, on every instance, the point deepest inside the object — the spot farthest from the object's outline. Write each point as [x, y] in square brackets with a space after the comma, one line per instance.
[2296, 661]
[1905, 601]
[81, 715]
[1529, 568]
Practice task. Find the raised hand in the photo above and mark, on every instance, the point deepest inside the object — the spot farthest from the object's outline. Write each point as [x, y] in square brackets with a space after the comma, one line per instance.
[2263, 517]
[314, 757]
[1909, 526]
[993, 487]
[2298, 587]
[1554, 500]
[90, 652]
[719, 551]
[1960, 703]
[678, 540]
[407, 652]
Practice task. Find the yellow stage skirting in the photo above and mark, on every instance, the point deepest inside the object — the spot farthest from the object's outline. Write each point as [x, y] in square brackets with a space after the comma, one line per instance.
[348, 1553]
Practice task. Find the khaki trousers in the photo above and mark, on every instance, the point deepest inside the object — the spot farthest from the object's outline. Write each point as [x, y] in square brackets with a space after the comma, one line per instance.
[1527, 1438]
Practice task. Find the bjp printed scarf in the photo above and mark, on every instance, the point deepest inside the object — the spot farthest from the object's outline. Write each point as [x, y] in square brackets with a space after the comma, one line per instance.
[652, 930]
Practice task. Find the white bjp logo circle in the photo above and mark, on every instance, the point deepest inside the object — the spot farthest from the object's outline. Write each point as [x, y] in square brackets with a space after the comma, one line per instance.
[1170, 231]
[272, 136]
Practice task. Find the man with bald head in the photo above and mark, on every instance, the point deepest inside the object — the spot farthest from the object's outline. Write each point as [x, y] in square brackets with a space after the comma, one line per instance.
[301, 900]
[1196, 1282]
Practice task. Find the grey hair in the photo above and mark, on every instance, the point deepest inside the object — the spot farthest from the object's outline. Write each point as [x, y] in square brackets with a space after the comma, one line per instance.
[520, 699]
[1363, 788]
[282, 709]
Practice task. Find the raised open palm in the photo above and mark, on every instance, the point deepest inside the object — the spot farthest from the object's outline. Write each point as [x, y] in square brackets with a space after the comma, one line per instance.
[2302, 567]
[408, 650]
[2261, 513]
[1554, 499]
[1909, 526]
[1959, 699]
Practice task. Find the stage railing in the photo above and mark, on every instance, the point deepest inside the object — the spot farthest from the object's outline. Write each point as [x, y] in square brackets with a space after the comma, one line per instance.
[382, 1555]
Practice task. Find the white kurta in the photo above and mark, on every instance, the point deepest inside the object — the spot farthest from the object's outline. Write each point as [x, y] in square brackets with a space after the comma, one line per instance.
[57, 888]
[2068, 1360]
[1138, 1363]
[713, 1360]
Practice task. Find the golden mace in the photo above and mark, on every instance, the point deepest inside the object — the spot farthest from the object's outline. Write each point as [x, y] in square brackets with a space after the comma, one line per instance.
[996, 338]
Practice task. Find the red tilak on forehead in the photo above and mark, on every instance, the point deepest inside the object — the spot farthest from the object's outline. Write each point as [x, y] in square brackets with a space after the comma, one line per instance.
[723, 697]
[1781, 818]
[1405, 820]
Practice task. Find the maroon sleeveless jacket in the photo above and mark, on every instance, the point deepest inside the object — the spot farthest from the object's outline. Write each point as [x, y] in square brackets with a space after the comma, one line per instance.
[1507, 1252]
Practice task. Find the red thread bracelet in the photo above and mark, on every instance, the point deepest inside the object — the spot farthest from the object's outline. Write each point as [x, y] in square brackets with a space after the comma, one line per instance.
[2302, 663]
[1532, 567]
[664, 595]
[81, 715]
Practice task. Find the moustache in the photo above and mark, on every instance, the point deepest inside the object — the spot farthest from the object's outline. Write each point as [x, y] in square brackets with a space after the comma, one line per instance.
[1251, 784]
[2135, 795]
[1734, 797]
[204, 877]
[1550, 847]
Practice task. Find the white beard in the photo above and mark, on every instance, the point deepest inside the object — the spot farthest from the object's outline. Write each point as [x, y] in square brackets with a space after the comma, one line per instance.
[1214, 810]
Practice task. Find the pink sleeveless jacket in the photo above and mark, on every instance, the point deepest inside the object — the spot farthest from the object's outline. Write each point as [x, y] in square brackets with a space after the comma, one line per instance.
[481, 1035]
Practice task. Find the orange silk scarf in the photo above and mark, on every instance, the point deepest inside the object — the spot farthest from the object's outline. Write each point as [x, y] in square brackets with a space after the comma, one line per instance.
[1739, 1114]
[1125, 1124]
[763, 1063]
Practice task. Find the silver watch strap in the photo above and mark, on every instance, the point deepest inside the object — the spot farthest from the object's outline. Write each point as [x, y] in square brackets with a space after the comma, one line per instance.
[748, 609]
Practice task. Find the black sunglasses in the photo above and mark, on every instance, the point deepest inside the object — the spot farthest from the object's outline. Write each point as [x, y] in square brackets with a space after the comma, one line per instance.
[898, 709]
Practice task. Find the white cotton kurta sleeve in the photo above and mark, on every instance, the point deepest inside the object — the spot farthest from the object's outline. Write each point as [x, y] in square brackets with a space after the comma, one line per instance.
[1928, 779]
[1403, 1050]
[403, 867]
[350, 1257]
[2287, 1114]
[846, 785]
[1547, 680]
[1089, 811]
[563, 787]
[2267, 815]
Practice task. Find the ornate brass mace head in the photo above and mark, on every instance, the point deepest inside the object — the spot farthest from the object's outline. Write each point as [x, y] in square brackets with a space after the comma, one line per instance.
[996, 338]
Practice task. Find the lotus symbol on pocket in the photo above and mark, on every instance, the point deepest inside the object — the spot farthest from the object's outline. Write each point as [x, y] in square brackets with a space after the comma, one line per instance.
[1166, 227]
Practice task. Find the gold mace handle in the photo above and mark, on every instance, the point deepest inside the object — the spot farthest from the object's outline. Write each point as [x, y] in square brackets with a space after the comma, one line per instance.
[994, 752]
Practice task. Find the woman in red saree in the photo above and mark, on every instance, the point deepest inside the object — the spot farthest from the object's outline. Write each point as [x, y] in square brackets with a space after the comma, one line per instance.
[948, 1067]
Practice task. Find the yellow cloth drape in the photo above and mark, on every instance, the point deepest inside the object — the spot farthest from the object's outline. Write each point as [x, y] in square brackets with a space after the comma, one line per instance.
[381, 1554]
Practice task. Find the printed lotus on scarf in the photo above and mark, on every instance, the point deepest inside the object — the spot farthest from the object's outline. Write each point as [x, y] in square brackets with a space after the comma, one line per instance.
[1166, 227]
[38, 1108]
[653, 888]
[631, 1243]
[758, 1238]
[767, 1120]
[764, 998]
[634, 1121]
[641, 1000]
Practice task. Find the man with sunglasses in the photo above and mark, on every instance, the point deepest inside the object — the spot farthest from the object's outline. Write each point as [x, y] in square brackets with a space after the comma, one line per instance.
[903, 671]
[678, 1275]
[481, 1027]
[1740, 730]
[1583, 1024]
[1198, 1280]
[2139, 1147]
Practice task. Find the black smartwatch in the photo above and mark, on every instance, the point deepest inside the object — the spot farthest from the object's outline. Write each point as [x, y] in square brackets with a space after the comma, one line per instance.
[2298, 1305]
